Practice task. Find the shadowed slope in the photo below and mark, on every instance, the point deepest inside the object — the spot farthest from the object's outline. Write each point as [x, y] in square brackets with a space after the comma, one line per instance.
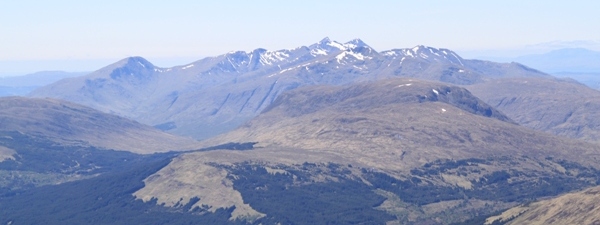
[560, 107]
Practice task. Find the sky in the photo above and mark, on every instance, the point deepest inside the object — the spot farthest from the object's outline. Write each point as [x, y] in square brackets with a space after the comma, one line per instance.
[80, 35]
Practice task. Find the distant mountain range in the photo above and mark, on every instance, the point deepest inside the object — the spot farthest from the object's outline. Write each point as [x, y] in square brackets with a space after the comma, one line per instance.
[580, 64]
[216, 94]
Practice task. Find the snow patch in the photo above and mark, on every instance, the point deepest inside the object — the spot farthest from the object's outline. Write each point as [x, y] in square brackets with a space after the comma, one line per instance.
[269, 58]
[141, 64]
[457, 58]
[461, 71]
[435, 91]
[443, 110]
[390, 53]
[402, 60]
[353, 54]
[403, 85]
[350, 45]
[188, 66]
[292, 68]
[316, 52]
[336, 45]
[359, 68]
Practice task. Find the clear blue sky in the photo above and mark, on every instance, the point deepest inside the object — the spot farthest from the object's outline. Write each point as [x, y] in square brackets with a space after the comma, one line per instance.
[177, 30]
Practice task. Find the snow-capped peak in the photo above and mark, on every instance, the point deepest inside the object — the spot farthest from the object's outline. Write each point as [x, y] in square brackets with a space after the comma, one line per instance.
[268, 57]
[325, 47]
[427, 53]
[355, 43]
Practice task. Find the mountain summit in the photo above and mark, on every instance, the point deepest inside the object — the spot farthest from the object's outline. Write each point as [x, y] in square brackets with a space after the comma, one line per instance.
[356, 43]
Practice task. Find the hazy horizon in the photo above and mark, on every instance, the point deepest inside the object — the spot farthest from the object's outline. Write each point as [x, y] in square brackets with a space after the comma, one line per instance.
[84, 36]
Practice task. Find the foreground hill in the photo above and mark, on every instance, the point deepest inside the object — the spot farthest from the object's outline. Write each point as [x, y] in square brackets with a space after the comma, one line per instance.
[561, 107]
[217, 94]
[71, 124]
[411, 117]
[47, 141]
[574, 208]
[419, 152]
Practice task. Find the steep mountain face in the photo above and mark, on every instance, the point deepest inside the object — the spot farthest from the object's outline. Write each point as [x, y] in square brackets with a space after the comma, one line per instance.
[217, 94]
[431, 152]
[561, 107]
[573, 208]
[74, 125]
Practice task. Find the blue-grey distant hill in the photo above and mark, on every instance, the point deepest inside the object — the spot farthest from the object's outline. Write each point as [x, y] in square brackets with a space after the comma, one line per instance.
[580, 64]
[572, 60]
[22, 85]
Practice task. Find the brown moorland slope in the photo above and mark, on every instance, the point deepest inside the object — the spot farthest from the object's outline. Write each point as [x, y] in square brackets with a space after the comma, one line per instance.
[434, 137]
[581, 207]
[72, 124]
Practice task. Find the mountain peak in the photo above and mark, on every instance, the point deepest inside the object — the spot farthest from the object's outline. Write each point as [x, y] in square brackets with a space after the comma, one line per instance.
[435, 54]
[134, 61]
[324, 40]
[328, 44]
[259, 50]
[131, 66]
[354, 43]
